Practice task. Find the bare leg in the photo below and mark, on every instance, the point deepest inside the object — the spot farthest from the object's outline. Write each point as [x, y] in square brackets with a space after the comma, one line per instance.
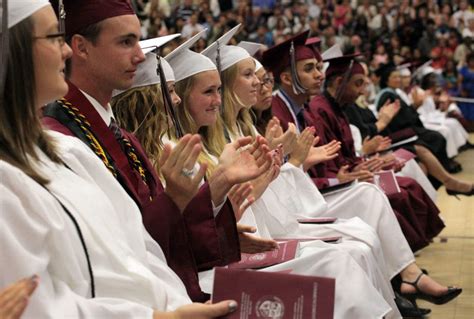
[426, 283]
[436, 170]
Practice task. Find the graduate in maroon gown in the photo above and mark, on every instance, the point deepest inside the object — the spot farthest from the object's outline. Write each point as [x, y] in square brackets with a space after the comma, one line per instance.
[193, 233]
[417, 214]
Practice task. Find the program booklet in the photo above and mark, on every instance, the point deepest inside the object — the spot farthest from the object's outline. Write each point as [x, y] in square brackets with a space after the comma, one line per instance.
[403, 156]
[317, 220]
[387, 181]
[261, 294]
[286, 251]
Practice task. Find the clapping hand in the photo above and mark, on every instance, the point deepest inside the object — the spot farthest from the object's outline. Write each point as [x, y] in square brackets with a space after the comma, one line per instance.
[14, 298]
[302, 146]
[344, 176]
[240, 162]
[176, 165]
[199, 311]
[321, 154]
[251, 244]
[375, 144]
[241, 199]
[275, 136]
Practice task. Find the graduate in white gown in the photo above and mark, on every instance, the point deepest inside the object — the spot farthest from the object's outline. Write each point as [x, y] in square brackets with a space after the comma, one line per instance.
[63, 216]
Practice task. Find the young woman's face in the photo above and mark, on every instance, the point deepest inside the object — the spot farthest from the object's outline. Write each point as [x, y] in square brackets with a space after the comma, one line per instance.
[49, 56]
[204, 99]
[394, 80]
[264, 92]
[175, 99]
[246, 83]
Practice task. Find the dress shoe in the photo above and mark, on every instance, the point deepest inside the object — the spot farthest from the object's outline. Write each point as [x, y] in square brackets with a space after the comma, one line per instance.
[408, 309]
[452, 293]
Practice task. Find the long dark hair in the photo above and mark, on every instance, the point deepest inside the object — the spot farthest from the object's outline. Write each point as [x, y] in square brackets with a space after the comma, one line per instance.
[20, 126]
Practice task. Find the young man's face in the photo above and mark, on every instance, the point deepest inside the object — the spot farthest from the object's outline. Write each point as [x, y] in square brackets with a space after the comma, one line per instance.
[113, 59]
[311, 75]
[353, 89]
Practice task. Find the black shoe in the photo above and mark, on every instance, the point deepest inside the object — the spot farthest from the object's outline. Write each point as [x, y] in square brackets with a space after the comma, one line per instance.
[466, 147]
[452, 293]
[408, 309]
[456, 193]
[454, 167]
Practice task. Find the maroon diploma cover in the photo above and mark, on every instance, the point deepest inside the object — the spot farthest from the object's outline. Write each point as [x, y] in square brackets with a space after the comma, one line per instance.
[317, 220]
[387, 182]
[286, 251]
[278, 295]
[403, 156]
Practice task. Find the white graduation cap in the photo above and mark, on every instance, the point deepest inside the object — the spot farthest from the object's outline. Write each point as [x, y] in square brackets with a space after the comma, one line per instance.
[19, 10]
[333, 52]
[146, 73]
[404, 69]
[186, 63]
[151, 44]
[228, 54]
[252, 48]
[423, 70]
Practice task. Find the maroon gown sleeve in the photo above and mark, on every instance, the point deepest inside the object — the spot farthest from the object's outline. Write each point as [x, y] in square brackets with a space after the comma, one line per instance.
[214, 240]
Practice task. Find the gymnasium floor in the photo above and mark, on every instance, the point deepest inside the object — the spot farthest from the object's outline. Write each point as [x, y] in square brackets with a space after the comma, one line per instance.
[450, 259]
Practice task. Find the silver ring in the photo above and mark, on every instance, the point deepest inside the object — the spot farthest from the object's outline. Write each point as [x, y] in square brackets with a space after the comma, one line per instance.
[187, 172]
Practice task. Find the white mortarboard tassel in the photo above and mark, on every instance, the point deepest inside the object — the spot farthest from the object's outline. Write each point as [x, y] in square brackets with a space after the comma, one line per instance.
[146, 73]
[19, 10]
[186, 63]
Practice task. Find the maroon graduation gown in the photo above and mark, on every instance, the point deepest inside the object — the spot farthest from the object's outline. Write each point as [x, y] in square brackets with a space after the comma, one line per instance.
[417, 214]
[191, 241]
[281, 109]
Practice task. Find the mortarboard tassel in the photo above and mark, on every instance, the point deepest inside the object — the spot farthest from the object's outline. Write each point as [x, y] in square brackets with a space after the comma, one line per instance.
[168, 103]
[218, 65]
[298, 88]
[62, 16]
[344, 82]
[4, 47]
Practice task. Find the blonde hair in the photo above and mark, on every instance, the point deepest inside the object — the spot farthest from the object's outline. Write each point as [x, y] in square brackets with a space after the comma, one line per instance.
[212, 136]
[230, 102]
[141, 111]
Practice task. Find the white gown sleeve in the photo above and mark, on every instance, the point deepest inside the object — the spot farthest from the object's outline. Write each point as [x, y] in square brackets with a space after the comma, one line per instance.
[29, 246]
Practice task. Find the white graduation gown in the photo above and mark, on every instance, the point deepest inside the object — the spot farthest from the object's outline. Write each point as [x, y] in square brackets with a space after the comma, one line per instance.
[37, 237]
[433, 119]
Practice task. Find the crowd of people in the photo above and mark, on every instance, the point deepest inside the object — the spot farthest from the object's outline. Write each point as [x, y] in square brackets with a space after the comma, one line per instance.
[130, 170]
[384, 31]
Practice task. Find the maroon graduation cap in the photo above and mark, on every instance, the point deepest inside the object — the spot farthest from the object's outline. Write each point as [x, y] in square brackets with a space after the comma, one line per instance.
[83, 13]
[286, 54]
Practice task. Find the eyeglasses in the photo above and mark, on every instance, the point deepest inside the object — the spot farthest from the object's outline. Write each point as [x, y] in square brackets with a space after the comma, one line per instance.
[268, 81]
[59, 37]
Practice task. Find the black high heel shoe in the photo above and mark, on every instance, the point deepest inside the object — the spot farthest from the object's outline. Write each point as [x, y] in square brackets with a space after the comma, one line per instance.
[456, 193]
[408, 309]
[437, 300]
